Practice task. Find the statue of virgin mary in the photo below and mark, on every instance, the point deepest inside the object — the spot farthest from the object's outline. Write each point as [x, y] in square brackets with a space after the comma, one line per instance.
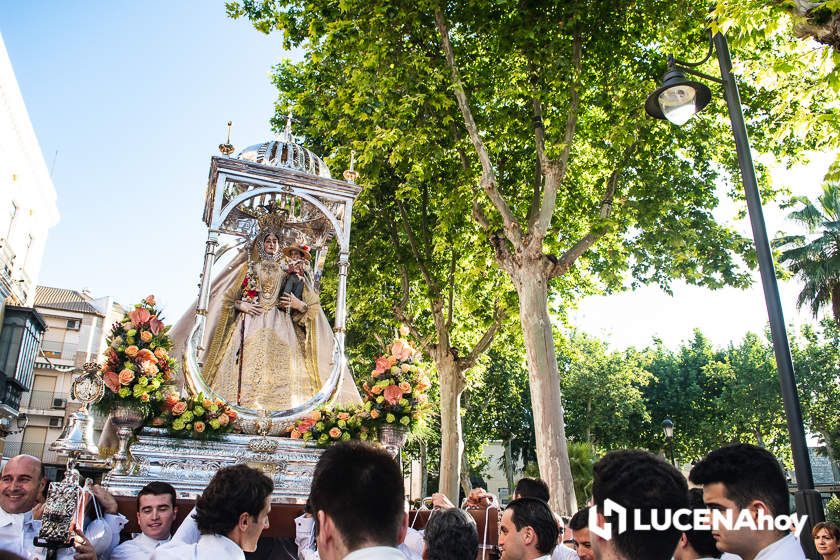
[270, 345]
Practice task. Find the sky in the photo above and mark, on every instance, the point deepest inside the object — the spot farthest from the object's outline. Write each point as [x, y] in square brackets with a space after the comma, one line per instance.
[135, 97]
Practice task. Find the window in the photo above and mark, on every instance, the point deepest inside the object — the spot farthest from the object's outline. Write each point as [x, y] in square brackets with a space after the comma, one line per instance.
[74, 324]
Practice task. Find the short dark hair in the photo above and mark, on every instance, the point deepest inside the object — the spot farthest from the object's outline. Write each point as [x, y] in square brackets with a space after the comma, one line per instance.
[232, 491]
[535, 513]
[639, 480]
[701, 540]
[579, 520]
[157, 488]
[361, 488]
[748, 473]
[450, 534]
[532, 488]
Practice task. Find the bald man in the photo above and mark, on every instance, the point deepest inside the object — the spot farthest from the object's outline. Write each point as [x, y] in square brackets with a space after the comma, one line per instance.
[21, 483]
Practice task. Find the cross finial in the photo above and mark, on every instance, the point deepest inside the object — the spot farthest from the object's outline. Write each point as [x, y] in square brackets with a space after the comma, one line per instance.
[287, 132]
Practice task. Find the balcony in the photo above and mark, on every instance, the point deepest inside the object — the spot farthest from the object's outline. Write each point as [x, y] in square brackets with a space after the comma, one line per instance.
[36, 449]
[44, 400]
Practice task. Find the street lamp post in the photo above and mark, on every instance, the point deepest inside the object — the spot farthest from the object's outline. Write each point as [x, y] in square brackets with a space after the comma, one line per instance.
[677, 100]
[668, 428]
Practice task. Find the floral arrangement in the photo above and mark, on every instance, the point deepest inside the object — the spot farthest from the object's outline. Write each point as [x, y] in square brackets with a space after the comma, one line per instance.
[397, 390]
[396, 393]
[250, 290]
[328, 425]
[195, 416]
[138, 368]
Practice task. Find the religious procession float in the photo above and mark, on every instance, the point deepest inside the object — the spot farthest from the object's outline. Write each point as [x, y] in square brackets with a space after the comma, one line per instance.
[255, 373]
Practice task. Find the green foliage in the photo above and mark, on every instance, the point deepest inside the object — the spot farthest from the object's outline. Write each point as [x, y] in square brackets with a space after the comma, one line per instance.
[582, 457]
[832, 510]
[815, 258]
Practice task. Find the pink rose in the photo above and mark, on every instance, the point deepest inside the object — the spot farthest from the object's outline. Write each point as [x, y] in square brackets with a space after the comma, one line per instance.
[335, 433]
[199, 426]
[400, 350]
[178, 408]
[126, 377]
[405, 387]
[224, 420]
[381, 364]
[112, 381]
[150, 300]
[392, 394]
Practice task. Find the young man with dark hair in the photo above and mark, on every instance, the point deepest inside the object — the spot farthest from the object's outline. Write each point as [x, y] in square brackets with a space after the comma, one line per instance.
[156, 511]
[450, 534]
[745, 477]
[357, 499]
[531, 488]
[641, 483]
[696, 544]
[579, 524]
[231, 514]
[527, 530]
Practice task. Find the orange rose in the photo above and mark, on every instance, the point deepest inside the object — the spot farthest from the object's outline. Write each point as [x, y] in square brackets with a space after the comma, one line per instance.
[405, 387]
[335, 433]
[131, 351]
[126, 377]
[149, 369]
[382, 364]
[145, 336]
[171, 399]
[315, 415]
[343, 415]
[374, 414]
[160, 353]
[145, 355]
[178, 408]
[376, 389]
[198, 426]
[295, 434]
[144, 397]
[224, 419]
[231, 414]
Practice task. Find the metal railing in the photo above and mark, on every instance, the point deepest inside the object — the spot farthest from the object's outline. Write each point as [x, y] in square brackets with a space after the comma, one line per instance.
[44, 400]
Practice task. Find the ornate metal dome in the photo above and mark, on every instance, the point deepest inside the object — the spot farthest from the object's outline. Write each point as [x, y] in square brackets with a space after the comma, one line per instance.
[287, 154]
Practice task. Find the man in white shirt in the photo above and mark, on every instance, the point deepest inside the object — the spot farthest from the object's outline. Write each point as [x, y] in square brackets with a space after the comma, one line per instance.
[357, 497]
[648, 488]
[156, 511]
[581, 540]
[21, 483]
[450, 534]
[536, 488]
[230, 514]
[743, 477]
[527, 530]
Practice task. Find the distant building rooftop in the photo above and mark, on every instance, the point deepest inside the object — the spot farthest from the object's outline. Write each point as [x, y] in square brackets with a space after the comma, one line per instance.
[64, 300]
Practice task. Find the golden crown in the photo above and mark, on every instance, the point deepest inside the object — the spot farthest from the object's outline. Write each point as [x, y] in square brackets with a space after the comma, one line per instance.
[273, 221]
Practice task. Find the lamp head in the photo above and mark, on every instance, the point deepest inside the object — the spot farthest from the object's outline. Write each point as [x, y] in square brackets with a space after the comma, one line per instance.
[678, 98]
[668, 428]
[22, 421]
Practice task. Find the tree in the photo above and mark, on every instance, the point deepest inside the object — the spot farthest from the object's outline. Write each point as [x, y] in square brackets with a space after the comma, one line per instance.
[815, 258]
[573, 188]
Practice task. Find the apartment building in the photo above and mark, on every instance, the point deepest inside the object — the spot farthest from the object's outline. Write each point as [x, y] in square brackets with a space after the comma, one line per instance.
[77, 326]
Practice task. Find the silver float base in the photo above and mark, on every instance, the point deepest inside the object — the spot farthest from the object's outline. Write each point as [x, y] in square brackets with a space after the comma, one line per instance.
[188, 465]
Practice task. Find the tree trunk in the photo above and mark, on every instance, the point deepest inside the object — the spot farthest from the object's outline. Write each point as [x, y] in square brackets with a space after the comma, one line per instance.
[835, 303]
[451, 444]
[509, 465]
[544, 380]
[424, 471]
[466, 483]
[758, 437]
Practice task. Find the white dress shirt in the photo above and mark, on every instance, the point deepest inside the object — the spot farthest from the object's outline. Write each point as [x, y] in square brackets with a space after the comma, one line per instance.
[787, 548]
[563, 552]
[18, 530]
[208, 547]
[138, 548]
[376, 553]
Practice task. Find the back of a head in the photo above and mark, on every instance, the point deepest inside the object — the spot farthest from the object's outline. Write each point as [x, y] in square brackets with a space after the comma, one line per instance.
[532, 488]
[749, 473]
[639, 480]
[232, 491]
[701, 540]
[450, 534]
[361, 488]
[157, 488]
[535, 513]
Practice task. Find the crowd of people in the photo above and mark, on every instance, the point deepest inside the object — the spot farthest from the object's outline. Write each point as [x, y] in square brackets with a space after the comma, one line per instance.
[357, 511]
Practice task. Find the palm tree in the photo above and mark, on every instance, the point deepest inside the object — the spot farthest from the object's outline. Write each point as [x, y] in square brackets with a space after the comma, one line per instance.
[815, 257]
